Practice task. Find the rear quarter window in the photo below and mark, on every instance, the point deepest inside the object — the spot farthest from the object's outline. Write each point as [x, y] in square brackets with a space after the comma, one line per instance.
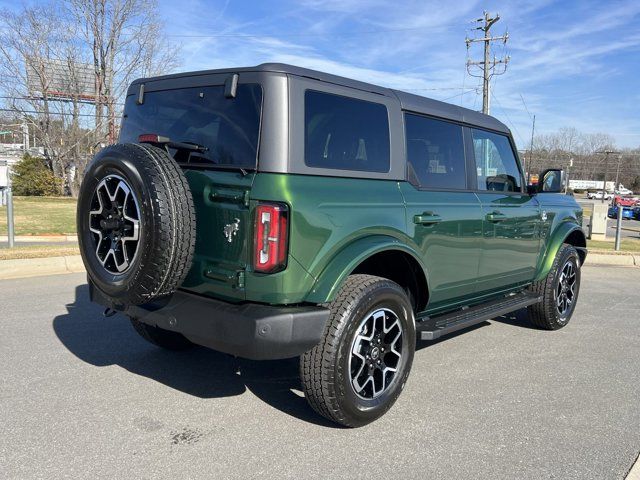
[345, 133]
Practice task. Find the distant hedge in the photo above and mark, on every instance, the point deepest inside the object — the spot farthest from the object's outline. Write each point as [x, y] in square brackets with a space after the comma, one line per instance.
[32, 177]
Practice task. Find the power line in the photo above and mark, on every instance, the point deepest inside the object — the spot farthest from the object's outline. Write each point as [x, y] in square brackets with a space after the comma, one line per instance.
[63, 114]
[438, 88]
[508, 118]
[469, 90]
[294, 35]
[53, 99]
[307, 34]
[525, 105]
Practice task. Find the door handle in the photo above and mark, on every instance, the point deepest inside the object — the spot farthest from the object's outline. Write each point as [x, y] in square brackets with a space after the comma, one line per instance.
[427, 218]
[496, 217]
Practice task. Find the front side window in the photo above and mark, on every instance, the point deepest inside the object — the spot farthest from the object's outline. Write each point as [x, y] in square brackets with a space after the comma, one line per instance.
[345, 133]
[435, 152]
[497, 168]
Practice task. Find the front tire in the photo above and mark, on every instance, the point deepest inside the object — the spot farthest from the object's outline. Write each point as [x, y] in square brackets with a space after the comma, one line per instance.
[559, 291]
[356, 373]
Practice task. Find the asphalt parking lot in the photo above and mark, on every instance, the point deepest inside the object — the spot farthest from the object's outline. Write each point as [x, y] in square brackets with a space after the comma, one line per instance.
[84, 397]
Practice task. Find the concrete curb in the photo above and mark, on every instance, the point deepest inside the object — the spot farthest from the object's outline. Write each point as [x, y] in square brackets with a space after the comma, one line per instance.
[634, 473]
[620, 259]
[41, 238]
[36, 267]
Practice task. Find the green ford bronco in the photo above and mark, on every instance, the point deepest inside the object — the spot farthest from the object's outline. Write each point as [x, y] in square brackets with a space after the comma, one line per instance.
[274, 212]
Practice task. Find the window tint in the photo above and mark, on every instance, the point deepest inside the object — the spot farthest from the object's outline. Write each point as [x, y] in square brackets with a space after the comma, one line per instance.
[345, 133]
[228, 127]
[435, 152]
[497, 168]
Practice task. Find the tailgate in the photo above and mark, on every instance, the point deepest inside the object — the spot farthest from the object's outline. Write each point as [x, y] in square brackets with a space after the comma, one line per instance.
[224, 232]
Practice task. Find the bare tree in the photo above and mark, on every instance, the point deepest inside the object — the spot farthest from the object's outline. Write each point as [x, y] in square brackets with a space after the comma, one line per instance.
[556, 149]
[120, 39]
[124, 37]
[34, 39]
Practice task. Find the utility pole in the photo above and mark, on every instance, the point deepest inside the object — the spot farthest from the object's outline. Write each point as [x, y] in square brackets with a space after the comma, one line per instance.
[533, 130]
[615, 185]
[606, 170]
[487, 65]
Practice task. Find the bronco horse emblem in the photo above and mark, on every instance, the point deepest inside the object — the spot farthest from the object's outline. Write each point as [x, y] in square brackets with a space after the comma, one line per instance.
[231, 229]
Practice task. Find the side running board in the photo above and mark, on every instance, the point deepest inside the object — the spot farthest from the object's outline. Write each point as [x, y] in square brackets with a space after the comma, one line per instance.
[431, 328]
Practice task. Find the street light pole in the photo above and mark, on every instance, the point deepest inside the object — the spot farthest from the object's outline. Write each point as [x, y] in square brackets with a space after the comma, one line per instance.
[10, 229]
[566, 185]
[9, 198]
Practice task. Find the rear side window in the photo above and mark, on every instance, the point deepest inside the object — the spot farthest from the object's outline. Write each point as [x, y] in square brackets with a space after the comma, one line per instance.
[227, 127]
[435, 152]
[497, 168]
[345, 133]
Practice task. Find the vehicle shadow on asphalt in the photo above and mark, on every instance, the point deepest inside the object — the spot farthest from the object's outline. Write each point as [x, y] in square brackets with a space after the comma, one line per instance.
[517, 319]
[200, 372]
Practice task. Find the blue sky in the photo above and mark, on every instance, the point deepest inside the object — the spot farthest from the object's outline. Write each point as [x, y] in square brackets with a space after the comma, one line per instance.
[574, 63]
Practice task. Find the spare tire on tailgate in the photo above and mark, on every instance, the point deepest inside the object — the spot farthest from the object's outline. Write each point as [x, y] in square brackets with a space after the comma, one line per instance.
[136, 223]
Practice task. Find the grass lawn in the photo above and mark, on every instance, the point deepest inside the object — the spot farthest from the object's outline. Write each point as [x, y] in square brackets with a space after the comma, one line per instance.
[41, 216]
[626, 245]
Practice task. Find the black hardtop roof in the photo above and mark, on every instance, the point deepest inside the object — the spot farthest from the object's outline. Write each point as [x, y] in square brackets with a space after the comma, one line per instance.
[408, 101]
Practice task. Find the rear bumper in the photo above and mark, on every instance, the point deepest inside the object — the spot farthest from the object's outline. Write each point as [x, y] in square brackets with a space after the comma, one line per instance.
[249, 330]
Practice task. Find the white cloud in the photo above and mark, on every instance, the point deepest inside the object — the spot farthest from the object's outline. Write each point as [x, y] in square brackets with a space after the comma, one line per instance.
[419, 45]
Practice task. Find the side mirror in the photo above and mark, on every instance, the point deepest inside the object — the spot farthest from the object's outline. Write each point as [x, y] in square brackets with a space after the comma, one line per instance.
[553, 181]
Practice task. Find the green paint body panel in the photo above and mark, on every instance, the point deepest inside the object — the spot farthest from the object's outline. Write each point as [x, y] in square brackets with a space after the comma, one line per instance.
[450, 249]
[510, 248]
[328, 214]
[563, 217]
[337, 223]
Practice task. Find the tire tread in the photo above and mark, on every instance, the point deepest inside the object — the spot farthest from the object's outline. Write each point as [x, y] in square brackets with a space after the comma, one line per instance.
[317, 364]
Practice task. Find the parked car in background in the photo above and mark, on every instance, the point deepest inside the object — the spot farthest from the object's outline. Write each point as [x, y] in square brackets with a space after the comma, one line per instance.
[627, 212]
[621, 190]
[636, 213]
[598, 195]
[625, 201]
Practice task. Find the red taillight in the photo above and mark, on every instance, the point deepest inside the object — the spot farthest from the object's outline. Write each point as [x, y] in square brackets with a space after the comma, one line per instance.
[271, 234]
[152, 138]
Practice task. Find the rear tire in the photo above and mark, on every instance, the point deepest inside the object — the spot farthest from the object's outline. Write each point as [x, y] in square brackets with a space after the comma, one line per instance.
[160, 337]
[559, 291]
[356, 373]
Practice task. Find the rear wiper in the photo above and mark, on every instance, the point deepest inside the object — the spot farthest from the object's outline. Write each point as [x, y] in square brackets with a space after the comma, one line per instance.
[166, 142]
[190, 148]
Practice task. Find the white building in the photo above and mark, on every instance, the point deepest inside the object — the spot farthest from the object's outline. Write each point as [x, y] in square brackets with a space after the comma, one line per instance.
[585, 184]
[10, 153]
